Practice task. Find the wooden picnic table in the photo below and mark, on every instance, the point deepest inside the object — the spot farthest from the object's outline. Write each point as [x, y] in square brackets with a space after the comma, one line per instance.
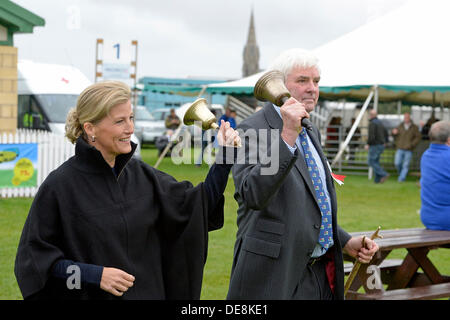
[402, 277]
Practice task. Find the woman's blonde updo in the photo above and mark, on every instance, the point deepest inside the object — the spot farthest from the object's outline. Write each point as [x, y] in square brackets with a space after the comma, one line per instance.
[93, 104]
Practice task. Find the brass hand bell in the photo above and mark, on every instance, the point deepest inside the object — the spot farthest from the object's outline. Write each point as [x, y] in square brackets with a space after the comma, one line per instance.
[270, 87]
[199, 112]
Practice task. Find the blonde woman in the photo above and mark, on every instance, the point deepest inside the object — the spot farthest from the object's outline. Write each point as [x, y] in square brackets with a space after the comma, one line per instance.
[105, 225]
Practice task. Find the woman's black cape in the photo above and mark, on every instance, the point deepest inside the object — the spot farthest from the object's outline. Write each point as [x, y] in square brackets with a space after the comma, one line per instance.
[143, 222]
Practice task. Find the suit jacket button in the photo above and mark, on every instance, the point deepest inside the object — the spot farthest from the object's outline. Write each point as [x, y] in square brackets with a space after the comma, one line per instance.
[316, 226]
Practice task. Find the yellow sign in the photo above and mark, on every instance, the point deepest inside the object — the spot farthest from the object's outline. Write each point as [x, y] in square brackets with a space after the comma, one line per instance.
[18, 165]
[23, 171]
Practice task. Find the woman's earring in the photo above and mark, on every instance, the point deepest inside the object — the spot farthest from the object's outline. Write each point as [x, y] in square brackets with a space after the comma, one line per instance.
[93, 139]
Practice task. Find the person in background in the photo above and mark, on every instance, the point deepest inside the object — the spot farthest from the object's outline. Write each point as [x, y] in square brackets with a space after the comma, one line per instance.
[162, 141]
[426, 127]
[233, 116]
[172, 120]
[378, 136]
[406, 138]
[425, 141]
[435, 179]
[227, 117]
[131, 231]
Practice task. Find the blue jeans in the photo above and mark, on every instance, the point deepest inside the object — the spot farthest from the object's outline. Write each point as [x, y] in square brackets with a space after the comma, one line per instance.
[375, 152]
[402, 160]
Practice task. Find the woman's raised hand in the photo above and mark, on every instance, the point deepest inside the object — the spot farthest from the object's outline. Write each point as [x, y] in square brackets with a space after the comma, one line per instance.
[227, 136]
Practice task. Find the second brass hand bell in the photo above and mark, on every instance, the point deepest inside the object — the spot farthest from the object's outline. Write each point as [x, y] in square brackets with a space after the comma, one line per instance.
[270, 87]
[199, 112]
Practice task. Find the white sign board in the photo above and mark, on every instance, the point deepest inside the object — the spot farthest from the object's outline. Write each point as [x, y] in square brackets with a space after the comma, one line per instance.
[116, 71]
[117, 57]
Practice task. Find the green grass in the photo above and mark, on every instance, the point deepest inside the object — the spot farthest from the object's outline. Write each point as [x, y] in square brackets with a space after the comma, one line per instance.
[13, 213]
[363, 206]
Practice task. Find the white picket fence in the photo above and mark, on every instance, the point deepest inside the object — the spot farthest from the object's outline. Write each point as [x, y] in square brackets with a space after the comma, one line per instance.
[53, 150]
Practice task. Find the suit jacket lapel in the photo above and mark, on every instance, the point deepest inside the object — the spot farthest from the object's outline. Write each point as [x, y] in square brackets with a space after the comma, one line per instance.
[301, 166]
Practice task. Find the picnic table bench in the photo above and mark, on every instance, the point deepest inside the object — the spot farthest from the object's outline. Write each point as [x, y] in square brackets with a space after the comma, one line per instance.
[402, 277]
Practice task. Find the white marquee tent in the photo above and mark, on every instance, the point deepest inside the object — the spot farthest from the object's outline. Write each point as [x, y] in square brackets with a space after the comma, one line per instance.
[405, 53]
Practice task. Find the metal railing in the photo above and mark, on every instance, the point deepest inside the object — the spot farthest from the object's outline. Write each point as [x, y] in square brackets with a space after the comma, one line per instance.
[354, 158]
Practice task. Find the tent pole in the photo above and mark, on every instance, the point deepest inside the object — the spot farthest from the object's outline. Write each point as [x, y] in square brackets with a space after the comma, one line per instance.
[353, 129]
[375, 99]
[399, 106]
[202, 91]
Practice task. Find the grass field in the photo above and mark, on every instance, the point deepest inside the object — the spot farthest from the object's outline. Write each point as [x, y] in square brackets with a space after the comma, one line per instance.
[363, 206]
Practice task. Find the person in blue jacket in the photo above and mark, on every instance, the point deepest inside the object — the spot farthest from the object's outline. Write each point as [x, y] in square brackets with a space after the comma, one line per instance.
[435, 179]
[228, 116]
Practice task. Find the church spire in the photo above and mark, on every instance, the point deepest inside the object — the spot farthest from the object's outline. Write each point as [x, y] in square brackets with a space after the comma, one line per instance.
[251, 51]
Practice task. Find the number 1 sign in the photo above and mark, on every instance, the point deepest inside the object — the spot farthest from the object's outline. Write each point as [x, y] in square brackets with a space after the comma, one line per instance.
[118, 59]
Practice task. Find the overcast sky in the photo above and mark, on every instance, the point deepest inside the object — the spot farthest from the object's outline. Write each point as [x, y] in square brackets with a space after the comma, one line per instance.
[179, 38]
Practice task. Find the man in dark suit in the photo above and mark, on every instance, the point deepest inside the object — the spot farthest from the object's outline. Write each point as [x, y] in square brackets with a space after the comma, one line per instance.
[378, 137]
[288, 244]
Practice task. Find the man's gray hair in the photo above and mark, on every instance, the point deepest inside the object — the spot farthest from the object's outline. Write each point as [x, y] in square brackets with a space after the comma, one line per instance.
[293, 58]
[440, 132]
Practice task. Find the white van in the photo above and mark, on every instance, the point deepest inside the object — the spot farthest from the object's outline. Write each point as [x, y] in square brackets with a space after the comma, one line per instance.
[46, 93]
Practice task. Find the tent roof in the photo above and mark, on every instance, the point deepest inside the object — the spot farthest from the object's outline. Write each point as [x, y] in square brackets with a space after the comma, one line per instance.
[241, 86]
[404, 53]
[189, 91]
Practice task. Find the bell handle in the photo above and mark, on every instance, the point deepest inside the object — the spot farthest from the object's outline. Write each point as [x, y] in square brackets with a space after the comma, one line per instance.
[305, 121]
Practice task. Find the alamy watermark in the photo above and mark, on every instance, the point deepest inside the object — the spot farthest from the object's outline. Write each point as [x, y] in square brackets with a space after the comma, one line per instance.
[260, 146]
[373, 282]
[74, 17]
[74, 280]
